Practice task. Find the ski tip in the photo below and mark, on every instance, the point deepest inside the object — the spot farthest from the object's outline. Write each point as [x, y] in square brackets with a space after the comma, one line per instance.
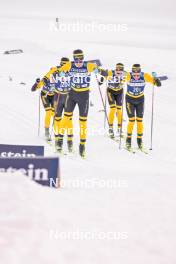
[130, 150]
[82, 156]
[143, 150]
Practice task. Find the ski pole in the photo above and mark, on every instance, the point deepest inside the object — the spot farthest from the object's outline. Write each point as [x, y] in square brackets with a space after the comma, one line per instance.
[152, 114]
[55, 112]
[120, 141]
[105, 108]
[103, 103]
[39, 115]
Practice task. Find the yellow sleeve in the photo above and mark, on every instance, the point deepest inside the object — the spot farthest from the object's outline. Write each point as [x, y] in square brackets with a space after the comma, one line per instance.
[40, 85]
[66, 67]
[127, 77]
[109, 75]
[91, 66]
[51, 71]
[148, 78]
[46, 76]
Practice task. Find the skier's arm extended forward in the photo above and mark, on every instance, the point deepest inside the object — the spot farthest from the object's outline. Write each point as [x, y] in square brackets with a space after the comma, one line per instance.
[153, 80]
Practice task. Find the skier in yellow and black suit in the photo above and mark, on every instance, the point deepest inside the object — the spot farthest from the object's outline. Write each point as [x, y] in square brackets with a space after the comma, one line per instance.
[136, 81]
[49, 96]
[62, 88]
[80, 76]
[115, 87]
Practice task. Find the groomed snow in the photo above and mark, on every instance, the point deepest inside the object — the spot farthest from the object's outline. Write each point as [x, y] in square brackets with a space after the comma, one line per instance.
[113, 207]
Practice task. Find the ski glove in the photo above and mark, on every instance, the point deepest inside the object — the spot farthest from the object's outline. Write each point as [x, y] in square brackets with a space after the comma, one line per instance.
[100, 82]
[157, 82]
[34, 87]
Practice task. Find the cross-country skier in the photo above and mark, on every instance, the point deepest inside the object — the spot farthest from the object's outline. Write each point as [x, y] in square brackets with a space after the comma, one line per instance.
[47, 97]
[80, 76]
[115, 87]
[51, 94]
[136, 81]
[62, 88]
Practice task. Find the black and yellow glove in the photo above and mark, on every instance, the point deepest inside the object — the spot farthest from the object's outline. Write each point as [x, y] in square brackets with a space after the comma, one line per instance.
[34, 87]
[157, 82]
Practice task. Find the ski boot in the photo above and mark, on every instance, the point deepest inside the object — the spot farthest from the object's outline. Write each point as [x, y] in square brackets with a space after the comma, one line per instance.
[82, 150]
[47, 134]
[128, 143]
[70, 146]
[140, 143]
[59, 145]
[141, 146]
[120, 133]
[111, 133]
